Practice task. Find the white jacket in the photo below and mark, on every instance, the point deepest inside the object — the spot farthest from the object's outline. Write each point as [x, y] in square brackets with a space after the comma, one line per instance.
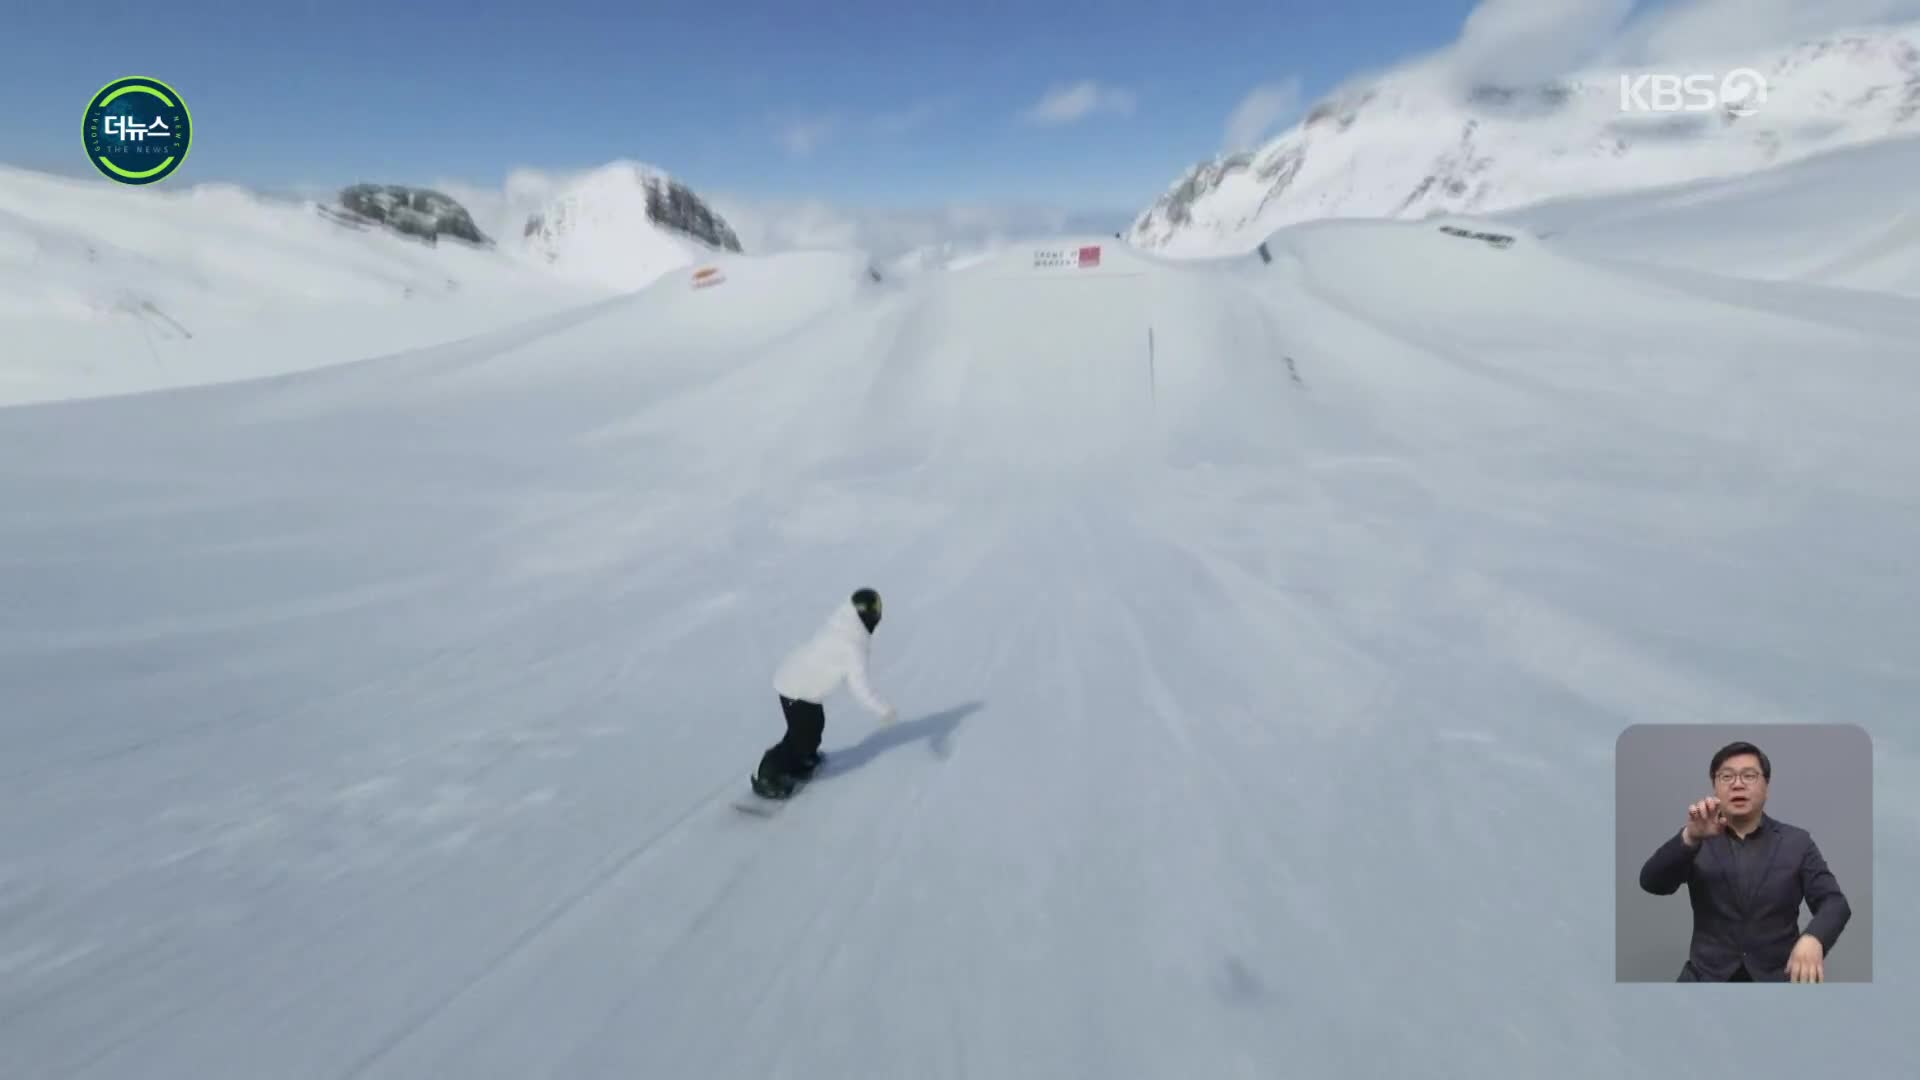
[837, 651]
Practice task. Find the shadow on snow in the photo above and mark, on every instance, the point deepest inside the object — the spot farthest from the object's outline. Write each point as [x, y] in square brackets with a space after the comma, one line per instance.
[935, 730]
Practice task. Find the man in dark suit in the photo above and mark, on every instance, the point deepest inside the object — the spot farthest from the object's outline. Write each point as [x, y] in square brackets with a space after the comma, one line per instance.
[1746, 875]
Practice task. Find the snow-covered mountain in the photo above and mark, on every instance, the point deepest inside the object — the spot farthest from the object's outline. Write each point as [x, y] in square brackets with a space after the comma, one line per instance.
[109, 290]
[106, 289]
[623, 225]
[1418, 141]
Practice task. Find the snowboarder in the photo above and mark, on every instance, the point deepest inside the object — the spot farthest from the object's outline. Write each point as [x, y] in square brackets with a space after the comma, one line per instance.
[837, 651]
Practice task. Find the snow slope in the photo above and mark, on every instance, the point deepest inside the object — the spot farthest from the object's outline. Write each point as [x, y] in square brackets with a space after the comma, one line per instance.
[1418, 140]
[109, 290]
[1783, 224]
[1261, 632]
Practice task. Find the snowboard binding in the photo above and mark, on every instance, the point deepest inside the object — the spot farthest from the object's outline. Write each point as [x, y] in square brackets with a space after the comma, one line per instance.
[783, 788]
[786, 787]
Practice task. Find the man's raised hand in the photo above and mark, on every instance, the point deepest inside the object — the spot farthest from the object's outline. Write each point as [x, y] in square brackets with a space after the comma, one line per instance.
[1704, 819]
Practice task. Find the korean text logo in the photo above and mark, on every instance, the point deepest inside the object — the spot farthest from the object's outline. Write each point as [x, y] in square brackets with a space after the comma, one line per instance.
[137, 130]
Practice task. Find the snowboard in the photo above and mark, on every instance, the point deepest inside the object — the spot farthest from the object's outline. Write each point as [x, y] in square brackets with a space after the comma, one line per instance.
[760, 806]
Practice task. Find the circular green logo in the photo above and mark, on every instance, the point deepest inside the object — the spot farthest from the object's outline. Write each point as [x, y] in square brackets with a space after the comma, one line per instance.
[137, 130]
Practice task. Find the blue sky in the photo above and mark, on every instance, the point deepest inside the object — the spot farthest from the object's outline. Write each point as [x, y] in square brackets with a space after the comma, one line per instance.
[853, 102]
[1093, 108]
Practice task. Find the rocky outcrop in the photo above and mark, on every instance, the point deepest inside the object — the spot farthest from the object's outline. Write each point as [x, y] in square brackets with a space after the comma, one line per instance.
[418, 212]
[672, 205]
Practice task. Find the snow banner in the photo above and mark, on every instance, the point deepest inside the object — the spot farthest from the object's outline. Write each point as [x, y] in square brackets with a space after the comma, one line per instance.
[1085, 257]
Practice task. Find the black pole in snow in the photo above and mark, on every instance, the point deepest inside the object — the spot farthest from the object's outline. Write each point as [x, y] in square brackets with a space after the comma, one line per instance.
[1153, 388]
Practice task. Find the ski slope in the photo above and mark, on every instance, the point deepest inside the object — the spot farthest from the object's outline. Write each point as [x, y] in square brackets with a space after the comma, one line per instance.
[1261, 633]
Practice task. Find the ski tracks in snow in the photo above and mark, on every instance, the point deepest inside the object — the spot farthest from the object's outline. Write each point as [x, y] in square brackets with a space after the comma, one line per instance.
[578, 900]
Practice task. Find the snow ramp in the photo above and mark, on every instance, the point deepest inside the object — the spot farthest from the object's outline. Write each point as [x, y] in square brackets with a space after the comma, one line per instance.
[1063, 358]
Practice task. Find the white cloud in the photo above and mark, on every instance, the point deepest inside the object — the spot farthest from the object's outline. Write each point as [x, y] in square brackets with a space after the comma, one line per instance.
[1260, 112]
[502, 212]
[766, 226]
[1517, 42]
[1067, 104]
[1521, 42]
[802, 137]
[913, 117]
[1701, 29]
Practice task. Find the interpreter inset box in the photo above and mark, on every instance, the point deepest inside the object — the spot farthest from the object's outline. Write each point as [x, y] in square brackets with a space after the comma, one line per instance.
[1743, 853]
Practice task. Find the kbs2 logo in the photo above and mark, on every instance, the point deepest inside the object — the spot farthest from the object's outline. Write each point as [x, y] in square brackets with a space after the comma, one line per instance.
[1740, 92]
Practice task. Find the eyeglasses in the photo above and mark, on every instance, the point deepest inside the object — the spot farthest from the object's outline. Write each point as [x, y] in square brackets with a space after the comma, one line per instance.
[1726, 777]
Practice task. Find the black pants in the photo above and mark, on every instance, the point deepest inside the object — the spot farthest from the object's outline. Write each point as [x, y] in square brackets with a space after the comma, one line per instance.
[806, 722]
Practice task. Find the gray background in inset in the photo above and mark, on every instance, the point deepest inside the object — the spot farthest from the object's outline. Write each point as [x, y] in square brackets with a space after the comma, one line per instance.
[1822, 782]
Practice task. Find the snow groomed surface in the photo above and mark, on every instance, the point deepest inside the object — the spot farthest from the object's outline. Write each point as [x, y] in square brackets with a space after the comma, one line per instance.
[1261, 631]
